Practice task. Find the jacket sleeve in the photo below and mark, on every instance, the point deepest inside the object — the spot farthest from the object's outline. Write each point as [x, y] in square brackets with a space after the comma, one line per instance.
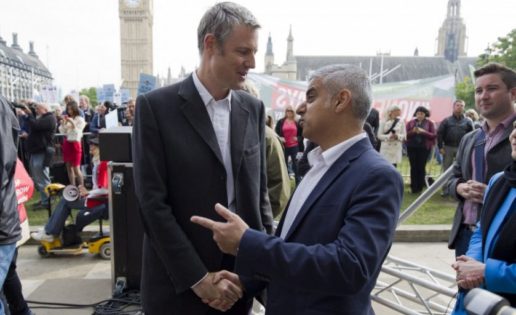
[380, 135]
[300, 139]
[458, 166]
[278, 182]
[265, 205]
[47, 123]
[102, 176]
[175, 250]
[441, 131]
[500, 276]
[340, 267]
[430, 133]
[94, 124]
[410, 129]
[475, 245]
[402, 136]
[279, 127]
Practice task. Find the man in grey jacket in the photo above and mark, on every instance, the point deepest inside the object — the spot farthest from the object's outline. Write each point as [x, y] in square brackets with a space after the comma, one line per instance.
[483, 152]
[10, 231]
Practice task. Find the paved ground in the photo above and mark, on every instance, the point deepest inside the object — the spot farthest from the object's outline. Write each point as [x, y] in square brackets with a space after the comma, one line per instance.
[86, 279]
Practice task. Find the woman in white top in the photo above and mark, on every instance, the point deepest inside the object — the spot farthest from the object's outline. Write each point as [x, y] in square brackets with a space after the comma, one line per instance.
[72, 127]
[392, 133]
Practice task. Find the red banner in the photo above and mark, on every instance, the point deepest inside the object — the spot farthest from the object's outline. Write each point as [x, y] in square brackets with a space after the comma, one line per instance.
[24, 188]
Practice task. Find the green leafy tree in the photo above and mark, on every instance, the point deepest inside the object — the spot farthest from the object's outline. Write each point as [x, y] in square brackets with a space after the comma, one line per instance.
[502, 51]
[465, 91]
[91, 93]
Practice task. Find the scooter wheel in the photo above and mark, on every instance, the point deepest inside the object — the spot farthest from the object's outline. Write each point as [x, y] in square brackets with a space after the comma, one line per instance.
[105, 251]
[42, 251]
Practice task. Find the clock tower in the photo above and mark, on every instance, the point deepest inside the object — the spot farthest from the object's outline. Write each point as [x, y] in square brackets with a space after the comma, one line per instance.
[135, 41]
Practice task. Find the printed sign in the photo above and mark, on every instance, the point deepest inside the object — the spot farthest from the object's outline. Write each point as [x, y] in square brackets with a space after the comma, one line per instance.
[147, 83]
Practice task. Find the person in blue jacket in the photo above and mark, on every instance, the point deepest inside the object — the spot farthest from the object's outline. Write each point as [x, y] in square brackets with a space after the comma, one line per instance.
[490, 259]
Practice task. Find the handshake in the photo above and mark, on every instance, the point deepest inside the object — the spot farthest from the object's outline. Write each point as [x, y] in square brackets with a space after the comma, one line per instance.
[220, 290]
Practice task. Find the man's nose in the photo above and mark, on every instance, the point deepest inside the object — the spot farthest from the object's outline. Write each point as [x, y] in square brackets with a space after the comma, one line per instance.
[484, 94]
[250, 63]
[301, 108]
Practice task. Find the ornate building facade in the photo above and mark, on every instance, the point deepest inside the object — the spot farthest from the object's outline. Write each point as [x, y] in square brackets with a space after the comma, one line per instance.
[21, 74]
[451, 41]
[451, 58]
[136, 20]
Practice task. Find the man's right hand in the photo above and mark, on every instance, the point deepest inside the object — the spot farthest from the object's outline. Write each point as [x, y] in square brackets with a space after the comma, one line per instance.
[472, 190]
[218, 292]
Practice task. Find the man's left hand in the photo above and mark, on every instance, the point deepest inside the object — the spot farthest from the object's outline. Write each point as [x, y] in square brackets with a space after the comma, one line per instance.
[228, 234]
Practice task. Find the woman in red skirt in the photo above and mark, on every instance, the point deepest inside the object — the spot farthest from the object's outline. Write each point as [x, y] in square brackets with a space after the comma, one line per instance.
[72, 127]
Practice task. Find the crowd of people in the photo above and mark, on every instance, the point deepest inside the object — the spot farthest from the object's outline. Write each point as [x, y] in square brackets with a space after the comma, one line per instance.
[215, 246]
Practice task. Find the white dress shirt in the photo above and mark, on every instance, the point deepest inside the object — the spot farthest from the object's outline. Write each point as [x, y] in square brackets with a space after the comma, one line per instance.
[219, 112]
[320, 161]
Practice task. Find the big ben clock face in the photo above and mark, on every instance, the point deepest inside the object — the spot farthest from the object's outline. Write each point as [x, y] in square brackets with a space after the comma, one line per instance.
[132, 3]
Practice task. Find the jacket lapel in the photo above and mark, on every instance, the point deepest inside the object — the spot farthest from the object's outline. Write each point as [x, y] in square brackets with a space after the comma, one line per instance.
[238, 120]
[196, 113]
[328, 178]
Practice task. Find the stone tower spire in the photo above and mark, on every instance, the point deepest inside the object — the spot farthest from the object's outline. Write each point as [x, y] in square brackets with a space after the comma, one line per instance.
[290, 47]
[451, 41]
[453, 8]
[269, 56]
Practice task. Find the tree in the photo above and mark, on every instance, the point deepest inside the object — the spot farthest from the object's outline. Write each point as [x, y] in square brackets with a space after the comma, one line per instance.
[91, 93]
[465, 91]
[502, 51]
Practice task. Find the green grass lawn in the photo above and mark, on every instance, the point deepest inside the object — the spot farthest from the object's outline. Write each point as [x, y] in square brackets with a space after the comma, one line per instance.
[40, 216]
[436, 210]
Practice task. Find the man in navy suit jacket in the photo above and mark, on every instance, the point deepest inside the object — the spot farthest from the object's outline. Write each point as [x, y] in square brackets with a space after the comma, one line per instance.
[339, 225]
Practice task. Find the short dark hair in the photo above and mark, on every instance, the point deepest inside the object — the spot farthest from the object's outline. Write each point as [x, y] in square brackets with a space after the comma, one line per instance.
[507, 74]
[422, 109]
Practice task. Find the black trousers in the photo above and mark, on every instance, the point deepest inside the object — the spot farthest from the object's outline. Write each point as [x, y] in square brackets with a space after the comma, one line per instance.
[292, 153]
[12, 290]
[417, 158]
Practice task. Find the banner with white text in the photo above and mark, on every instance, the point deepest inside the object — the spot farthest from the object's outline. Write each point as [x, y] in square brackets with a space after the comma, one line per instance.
[436, 94]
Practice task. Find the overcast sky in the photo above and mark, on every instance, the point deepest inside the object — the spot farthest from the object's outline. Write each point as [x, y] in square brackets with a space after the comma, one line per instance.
[79, 39]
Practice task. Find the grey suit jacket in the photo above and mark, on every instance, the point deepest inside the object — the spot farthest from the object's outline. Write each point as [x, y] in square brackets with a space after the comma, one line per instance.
[497, 158]
[178, 172]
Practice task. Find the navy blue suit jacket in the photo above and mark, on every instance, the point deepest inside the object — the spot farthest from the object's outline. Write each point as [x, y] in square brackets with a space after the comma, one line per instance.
[333, 252]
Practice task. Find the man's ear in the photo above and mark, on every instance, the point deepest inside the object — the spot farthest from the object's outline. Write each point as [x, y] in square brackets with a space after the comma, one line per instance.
[342, 100]
[210, 42]
[513, 94]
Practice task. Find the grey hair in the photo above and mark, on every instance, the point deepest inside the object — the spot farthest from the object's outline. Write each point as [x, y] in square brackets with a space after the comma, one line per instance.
[220, 19]
[85, 97]
[45, 106]
[343, 76]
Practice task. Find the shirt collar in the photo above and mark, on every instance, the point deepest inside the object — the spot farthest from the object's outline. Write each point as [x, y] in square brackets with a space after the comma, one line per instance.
[329, 156]
[205, 94]
[506, 123]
